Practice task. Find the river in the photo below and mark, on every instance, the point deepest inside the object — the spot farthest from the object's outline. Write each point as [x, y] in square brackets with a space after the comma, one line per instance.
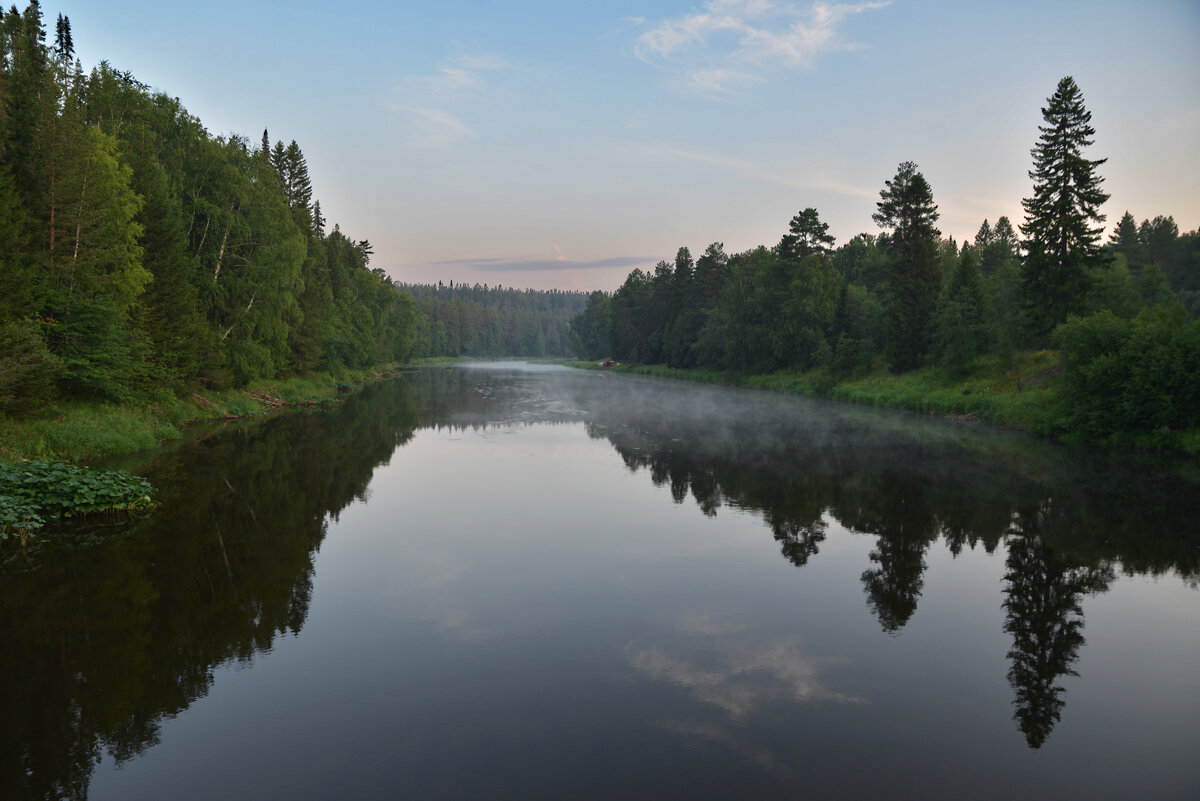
[520, 582]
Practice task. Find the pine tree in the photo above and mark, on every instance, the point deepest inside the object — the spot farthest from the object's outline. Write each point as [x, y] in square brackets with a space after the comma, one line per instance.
[806, 235]
[914, 271]
[1062, 220]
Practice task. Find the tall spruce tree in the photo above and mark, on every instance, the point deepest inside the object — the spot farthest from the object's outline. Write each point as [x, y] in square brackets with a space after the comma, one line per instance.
[1062, 220]
[914, 272]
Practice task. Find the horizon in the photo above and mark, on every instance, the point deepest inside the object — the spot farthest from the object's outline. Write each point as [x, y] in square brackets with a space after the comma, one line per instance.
[559, 148]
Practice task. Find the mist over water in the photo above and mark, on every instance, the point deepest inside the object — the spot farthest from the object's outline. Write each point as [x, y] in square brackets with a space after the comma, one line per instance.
[512, 581]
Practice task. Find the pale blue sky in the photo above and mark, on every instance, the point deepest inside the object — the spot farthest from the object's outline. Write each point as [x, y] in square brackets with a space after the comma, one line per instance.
[561, 144]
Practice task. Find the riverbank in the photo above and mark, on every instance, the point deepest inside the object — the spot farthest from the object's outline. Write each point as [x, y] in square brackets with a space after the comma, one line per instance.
[78, 431]
[1023, 393]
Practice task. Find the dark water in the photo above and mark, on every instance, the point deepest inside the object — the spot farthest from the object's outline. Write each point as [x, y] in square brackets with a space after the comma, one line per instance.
[543, 583]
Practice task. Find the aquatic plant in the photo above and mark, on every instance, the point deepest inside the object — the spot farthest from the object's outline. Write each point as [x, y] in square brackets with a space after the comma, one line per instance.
[33, 492]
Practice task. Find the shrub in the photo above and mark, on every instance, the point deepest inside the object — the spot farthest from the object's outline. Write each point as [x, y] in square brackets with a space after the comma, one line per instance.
[1131, 376]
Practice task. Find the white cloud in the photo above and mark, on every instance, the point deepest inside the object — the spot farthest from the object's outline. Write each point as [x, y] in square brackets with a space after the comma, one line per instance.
[435, 127]
[429, 103]
[719, 81]
[747, 39]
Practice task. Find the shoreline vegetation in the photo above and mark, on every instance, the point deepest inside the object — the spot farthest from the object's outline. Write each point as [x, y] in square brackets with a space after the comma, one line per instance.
[81, 431]
[1025, 394]
[1052, 330]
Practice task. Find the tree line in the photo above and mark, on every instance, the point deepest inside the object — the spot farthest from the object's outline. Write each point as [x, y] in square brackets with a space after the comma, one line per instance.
[474, 320]
[1123, 312]
[141, 255]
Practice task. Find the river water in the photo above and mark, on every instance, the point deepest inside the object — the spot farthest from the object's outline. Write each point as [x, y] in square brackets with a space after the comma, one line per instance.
[518, 582]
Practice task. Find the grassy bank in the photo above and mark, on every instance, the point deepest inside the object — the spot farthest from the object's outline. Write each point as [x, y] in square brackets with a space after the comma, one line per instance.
[78, 431]
[1023, 393]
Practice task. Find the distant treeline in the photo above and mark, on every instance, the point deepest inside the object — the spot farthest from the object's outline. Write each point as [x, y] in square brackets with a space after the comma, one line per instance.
[1118, 310]
[462, 320]
[140, 255]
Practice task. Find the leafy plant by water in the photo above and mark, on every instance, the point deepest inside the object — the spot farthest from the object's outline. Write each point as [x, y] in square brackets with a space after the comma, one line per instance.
[32, 493]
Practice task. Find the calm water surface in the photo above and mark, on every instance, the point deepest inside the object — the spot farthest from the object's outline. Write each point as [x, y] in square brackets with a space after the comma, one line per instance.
[512, 582]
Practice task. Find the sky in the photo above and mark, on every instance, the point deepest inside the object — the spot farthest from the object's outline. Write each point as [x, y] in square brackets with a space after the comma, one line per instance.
[562, 144]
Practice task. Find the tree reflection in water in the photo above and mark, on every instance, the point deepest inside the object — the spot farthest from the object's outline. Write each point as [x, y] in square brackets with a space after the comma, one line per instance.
[1043, 613]
[101, 644]
[908, 485]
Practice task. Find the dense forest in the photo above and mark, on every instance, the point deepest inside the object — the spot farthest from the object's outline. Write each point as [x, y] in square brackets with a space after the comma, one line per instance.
[140, 255]
[1123, 312]
[462, 320]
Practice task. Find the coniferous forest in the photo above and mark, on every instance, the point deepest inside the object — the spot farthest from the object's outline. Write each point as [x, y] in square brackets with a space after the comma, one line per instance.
[1122, 311]
[141, 256]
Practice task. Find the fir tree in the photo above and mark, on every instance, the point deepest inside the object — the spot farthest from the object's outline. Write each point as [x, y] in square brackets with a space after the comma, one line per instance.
[914, 276]
[1062, 220]
[1125, 240]
[64, 48]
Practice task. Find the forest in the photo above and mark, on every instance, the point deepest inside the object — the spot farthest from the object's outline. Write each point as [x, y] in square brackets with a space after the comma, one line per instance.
[141, 256]
[478, 321]
[1122, 313]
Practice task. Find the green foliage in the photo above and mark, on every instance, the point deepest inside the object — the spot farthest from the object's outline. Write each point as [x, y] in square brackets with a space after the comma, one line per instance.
[806, 236]
[590, 329]
[27, 369]
[1062, 235]
[959, 326]
[1134, 376]
[482, 321]
[19, 518]
[155, 257]
[1126, 242]
[914, 278]
[33, 492]
[80, 430]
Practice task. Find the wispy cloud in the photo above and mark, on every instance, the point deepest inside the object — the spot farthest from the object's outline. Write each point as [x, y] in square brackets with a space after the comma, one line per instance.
[429, 104]
[731, 42]
[435, 127]
[498, 265]
[746, 676]
[775, 175]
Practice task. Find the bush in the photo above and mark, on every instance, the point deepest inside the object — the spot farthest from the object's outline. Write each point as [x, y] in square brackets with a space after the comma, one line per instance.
[27, 369]
[1131, 376]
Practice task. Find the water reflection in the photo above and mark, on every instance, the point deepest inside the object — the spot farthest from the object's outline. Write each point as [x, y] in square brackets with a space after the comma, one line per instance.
[1068, 521]
[1068, 518]
[101, 645]
[743, 676]
[1043, 613]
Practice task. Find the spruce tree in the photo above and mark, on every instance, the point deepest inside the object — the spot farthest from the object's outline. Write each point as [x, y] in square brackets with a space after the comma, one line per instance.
[1125, 240]
[914, 272]
[1062, 220]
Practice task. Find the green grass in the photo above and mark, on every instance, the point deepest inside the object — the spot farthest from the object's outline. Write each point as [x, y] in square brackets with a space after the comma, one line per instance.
[1022, 393]
[78, 431]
